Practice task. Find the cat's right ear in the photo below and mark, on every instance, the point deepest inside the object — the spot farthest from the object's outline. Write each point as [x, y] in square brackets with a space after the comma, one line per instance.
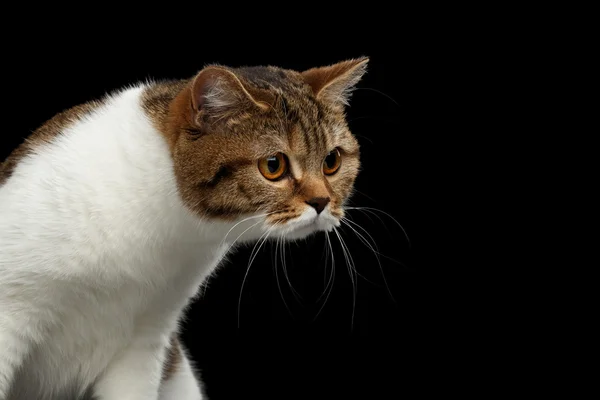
[217, 93]
[334, 84]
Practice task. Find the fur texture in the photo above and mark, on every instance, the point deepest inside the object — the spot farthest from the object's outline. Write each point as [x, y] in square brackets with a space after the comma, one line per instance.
[113, 214]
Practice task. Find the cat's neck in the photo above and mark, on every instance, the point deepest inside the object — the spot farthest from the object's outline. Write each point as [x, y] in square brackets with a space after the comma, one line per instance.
[125, 196]
[152, 186]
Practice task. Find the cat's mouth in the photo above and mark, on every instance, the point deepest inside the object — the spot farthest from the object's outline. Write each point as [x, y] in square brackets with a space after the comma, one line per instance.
[306, 224]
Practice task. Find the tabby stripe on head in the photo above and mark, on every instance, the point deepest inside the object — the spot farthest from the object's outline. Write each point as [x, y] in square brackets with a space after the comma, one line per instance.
[284, 105]
[322, 125]
[322, 136]
[225, 171]
[306, 129]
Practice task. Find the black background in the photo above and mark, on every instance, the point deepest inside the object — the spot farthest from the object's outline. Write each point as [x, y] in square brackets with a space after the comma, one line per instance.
[408, 114]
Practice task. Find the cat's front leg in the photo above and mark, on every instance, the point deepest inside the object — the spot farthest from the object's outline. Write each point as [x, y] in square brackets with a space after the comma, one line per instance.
[135, 374]
[13, 349]
[179, 380]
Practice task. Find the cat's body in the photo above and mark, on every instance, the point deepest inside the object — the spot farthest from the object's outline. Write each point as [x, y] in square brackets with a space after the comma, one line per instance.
[109, 225]
[166, 252]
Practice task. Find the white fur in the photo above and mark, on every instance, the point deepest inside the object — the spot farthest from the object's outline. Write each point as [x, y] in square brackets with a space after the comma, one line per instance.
[98, 259]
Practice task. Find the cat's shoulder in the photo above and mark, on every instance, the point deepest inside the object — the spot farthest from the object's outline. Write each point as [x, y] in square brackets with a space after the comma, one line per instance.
[154, 99]
[46, 133]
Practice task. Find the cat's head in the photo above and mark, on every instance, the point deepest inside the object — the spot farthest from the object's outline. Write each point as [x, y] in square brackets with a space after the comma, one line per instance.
[267, 144]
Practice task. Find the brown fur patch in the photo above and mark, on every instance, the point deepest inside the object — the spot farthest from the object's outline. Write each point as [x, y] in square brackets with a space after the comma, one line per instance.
[157, 101]
[173, 360]
[44, 135]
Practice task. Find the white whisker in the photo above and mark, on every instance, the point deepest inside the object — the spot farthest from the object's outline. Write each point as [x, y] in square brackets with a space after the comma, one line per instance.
[372, 211]
[354, 264]
[350, 265]
[364, 194]
[241, 234]
[261, 241]
[324, 256]
[297, 295]
[381, 93]
[329, 287]
[279, 239]
[368, 244]
[244, 220]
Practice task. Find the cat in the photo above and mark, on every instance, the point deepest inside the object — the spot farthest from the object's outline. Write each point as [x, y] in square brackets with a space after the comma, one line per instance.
[114, 212]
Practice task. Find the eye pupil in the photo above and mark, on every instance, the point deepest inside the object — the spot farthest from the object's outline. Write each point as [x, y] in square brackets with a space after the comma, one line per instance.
[273, 164]
[330, 160]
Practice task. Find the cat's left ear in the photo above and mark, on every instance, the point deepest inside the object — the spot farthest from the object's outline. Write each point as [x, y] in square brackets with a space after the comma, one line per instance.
[218, 92]
[334, 84]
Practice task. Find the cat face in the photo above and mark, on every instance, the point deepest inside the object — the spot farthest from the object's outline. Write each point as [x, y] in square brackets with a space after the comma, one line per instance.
[267, 144]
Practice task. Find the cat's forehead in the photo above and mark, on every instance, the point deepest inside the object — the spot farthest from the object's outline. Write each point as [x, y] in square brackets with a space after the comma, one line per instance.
[299, 134]
[298, 123]
[271, 78]
[293, 96]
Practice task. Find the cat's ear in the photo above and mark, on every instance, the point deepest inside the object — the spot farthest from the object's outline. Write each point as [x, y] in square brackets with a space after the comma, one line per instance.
[218, 92]
[335, 83]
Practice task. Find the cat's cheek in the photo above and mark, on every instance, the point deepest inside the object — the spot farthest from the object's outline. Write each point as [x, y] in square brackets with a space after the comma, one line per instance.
[343, 186]
[338, 214]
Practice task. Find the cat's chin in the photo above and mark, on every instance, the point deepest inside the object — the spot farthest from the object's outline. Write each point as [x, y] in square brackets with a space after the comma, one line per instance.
[304, 227]
[304, 232]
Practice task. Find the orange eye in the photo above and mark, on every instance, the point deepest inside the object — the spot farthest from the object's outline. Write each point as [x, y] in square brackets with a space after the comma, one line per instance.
[273, 167]
[332, 162]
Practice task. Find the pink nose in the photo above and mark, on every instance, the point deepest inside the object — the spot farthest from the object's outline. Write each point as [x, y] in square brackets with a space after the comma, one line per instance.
[318, 203]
